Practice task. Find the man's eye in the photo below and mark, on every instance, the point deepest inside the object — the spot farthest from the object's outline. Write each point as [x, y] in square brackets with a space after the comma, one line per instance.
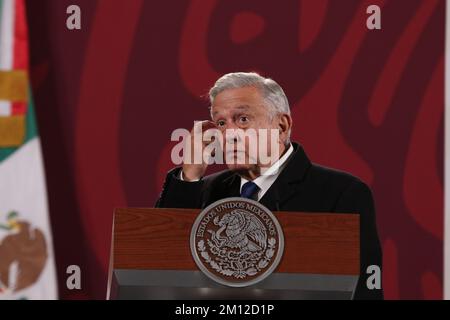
[220, 123]
[243, 119]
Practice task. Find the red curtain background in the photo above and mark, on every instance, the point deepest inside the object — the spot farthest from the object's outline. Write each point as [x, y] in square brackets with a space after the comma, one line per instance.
[369, 102]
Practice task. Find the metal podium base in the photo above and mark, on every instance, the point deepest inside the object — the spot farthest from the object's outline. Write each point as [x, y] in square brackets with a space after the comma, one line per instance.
[194, 285]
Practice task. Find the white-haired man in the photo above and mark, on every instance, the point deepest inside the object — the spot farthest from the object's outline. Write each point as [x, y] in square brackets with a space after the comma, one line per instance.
[290, 183]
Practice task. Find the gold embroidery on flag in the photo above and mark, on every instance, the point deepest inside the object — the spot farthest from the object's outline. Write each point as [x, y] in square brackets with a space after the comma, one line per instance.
[12, 131]
[13, 85]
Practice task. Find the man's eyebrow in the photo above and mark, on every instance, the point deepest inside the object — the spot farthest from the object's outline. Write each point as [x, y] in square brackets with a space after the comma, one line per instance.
[243, 106]
[240, 107]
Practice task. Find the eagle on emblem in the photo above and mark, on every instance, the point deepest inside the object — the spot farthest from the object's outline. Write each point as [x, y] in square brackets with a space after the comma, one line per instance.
[240, 229]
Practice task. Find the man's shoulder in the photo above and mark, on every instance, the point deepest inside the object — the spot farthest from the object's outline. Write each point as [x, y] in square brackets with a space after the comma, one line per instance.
[318, 176]
[338, 178]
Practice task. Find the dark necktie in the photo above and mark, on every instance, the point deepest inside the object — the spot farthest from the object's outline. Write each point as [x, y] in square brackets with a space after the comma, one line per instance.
[250, 191]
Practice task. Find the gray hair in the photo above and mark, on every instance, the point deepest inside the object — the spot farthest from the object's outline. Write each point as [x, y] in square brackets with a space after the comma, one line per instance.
[274, 95]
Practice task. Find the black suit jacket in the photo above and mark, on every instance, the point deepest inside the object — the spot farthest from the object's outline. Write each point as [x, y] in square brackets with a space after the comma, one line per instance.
[301, 186]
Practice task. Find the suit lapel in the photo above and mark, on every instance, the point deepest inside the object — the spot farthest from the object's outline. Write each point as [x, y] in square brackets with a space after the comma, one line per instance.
[288, 182]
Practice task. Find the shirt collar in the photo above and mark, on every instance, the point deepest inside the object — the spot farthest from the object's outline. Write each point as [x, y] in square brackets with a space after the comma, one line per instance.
[265, 180]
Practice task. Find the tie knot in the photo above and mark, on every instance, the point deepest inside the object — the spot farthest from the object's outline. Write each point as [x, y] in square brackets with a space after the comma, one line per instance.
[250, 190]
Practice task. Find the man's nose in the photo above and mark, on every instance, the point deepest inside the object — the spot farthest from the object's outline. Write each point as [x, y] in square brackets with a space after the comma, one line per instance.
[232, 134]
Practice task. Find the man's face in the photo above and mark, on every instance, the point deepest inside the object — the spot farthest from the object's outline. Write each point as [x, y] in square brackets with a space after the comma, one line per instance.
[242, 108]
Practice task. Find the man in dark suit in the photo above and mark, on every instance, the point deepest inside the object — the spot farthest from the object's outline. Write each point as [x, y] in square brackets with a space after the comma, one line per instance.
[290, 183]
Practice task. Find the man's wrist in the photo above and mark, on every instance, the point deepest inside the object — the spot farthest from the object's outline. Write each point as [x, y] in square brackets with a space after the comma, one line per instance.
[183, 178]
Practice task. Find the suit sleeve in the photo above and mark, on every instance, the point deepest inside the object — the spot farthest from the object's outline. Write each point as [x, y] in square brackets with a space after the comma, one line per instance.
[357, 198]
[179, 194]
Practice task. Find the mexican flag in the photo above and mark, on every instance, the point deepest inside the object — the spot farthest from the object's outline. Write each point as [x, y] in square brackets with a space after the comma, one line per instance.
[27, 267]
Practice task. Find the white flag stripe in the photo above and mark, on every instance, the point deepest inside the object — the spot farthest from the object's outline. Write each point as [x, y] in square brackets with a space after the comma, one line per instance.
[5, 108]
[6, 35]
[22, 189]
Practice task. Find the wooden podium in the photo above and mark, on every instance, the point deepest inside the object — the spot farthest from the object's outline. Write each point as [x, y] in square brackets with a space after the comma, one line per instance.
[151, 258]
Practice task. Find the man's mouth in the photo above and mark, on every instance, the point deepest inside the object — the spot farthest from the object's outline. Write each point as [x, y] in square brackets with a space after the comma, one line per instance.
[235, 151]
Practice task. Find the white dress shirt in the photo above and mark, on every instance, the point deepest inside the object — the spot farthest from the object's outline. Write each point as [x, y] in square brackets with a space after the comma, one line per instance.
[265, 180]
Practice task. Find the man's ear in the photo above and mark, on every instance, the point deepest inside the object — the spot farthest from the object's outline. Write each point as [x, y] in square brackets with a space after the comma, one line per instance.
[284, 125]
